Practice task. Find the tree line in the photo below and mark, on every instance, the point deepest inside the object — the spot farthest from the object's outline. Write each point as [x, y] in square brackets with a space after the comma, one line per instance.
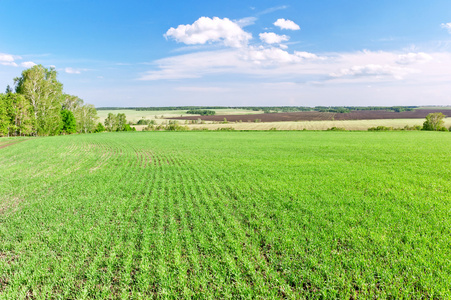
[38, 106]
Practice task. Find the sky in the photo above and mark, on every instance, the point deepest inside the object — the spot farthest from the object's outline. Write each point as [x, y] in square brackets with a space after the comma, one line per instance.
[234, 53]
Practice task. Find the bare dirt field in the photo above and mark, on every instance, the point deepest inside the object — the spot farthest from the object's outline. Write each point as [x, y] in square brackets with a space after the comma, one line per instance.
[321, 116]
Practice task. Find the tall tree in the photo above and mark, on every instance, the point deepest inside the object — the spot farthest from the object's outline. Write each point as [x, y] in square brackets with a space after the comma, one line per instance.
[69, 123]
[111, 122]
[434, 121]
[71, 102]
[86, 116]
[121, 122]
[44, 92]
[21, 115]
[4, 117]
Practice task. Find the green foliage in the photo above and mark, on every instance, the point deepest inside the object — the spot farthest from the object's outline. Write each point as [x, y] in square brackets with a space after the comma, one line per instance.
[41, 88]
[111, 122]
[175, 126]
[121, 122]
[4, 118]
[202, 112]
[434, 122]
[380, 128]
[146, 122]
[117, 123]
[336, 129]
[69, 125]
[185, 215]
[127, 127]
[225, 129]
[36, 107]
[414, 127]
[100, 128]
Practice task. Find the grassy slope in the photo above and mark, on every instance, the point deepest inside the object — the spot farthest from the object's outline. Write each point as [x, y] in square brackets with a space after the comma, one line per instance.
[227, 215]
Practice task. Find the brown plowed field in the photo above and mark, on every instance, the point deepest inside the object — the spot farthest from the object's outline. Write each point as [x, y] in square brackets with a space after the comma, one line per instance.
[322, 116]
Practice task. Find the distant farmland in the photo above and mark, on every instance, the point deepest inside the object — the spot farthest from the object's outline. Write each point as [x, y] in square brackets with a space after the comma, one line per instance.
[321, 116]
[226, 215]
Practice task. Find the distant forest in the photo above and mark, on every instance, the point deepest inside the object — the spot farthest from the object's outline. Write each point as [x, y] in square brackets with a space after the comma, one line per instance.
[270, 109]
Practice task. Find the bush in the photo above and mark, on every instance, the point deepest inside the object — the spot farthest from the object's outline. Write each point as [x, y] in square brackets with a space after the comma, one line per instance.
[434, 122]
[226, 129]
[100, 128]
[380, 128]
[146, 122]
[336, 129]
[414, 127]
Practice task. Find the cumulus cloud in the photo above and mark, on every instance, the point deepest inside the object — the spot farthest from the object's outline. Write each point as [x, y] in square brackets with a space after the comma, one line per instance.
[373, 71]
[207, 30]
[447, 26]
[412, 58]
[27, 64]
[286, 24]
[272, 38]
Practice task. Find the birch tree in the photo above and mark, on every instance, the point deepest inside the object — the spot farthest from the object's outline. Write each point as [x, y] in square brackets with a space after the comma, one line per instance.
[44, 93]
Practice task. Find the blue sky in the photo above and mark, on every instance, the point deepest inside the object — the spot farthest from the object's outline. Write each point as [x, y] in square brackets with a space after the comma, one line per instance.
[161, 53]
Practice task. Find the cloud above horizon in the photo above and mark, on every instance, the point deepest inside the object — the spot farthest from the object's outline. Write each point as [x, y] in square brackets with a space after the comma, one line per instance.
[272, 38]
[286, 24]
[208, 30]
[12, 60]
[269, 63]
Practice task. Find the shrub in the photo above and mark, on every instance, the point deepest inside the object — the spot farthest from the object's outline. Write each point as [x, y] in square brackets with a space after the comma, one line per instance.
[336, 129]
[380, 128]
[226, 129]
[100, 128]
[434, 122]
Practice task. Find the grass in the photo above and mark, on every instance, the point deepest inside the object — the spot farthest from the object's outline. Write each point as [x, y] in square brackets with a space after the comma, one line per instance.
[227, 215]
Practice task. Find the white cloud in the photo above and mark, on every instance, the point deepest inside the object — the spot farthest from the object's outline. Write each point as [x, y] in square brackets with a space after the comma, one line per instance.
[207, 30]
[72, 71]
[27, 64]
[286, 24]
[273, 55]
[272, 38]
[373, 70]
[8, 59]
[412, 58]
[447, 26]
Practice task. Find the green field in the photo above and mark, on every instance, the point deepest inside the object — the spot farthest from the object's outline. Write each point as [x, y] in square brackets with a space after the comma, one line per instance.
[217, 215]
